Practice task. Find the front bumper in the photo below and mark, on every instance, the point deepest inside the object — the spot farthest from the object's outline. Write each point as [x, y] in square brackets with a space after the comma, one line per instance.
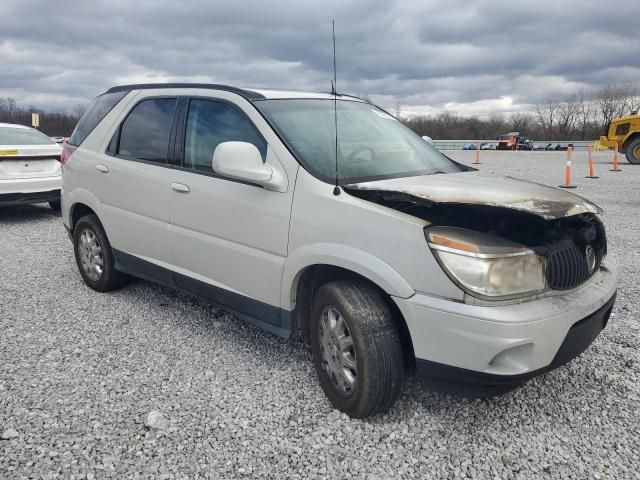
[492, 348]
[605, 142]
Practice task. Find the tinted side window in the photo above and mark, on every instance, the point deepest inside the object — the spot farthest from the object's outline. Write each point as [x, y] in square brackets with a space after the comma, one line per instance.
[210, 123]
[144, 134]
[94, 115]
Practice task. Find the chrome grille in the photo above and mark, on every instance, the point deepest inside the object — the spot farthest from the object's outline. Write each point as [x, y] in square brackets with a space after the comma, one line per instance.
[567, 268]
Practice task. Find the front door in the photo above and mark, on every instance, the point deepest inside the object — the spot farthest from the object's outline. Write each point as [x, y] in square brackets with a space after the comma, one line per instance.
[228, 238]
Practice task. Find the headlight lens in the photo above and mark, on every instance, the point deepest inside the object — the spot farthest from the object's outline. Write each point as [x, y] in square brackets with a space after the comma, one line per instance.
[487, 265]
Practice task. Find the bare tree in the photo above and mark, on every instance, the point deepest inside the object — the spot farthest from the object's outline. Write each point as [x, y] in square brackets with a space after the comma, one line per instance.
[580, 116]
[397, 110]
[521, 122]
[11, 107]
[612, 103]
[474, 126]
[79, 109]
[585, 112]
[633, 99]
[51, 123]
[567, 117]
[495, 125]
[546, 115]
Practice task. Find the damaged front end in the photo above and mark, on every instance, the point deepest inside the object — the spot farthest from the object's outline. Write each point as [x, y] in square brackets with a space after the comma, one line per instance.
[497, 237]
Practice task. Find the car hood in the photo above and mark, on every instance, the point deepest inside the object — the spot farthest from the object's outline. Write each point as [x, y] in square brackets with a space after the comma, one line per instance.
[479, 188]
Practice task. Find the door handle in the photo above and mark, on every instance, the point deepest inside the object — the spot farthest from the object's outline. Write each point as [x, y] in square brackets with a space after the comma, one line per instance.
[180, 187]
[102, 168]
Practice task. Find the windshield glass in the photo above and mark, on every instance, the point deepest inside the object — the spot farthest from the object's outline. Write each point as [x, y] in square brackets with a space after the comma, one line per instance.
[506, 137]
[23, 136]
[372, 145]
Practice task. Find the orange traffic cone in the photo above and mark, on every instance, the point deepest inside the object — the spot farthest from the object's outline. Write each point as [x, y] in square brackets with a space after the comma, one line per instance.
[567, 171]
[615, 159]
[477, 160]
[591, 169]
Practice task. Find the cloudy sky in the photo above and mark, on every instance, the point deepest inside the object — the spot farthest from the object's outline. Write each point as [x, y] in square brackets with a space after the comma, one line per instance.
[428, 56]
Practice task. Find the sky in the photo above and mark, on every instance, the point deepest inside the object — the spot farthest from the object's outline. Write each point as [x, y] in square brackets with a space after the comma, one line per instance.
[472, 58]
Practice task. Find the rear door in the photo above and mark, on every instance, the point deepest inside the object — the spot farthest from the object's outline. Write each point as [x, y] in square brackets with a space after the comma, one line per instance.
[131, 183]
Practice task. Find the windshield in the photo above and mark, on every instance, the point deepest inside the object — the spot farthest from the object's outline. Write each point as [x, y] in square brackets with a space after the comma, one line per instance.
[505, 137]
[372, 145]
[23, 136]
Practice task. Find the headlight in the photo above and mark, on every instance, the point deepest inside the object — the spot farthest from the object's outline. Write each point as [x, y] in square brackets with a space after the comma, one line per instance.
[487, 265]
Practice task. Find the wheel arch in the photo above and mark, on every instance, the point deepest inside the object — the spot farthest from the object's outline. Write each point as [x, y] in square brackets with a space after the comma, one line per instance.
[342, 256]
[77, 211]
[312, 277]
[81, 202]
[630, 138]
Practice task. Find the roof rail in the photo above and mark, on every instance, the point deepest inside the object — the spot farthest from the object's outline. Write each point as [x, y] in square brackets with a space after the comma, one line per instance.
[248, 94]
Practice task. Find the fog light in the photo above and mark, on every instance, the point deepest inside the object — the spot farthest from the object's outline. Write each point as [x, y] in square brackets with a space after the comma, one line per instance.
[512, 361]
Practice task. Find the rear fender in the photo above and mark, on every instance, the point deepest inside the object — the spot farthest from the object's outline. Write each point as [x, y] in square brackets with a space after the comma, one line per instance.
[80, 196]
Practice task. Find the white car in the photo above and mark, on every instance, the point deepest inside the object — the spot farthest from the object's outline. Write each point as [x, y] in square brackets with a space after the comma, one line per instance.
[389, 257]
[29, 167]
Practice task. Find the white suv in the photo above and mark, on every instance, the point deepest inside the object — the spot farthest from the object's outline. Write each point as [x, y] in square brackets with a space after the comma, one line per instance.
[412, 263]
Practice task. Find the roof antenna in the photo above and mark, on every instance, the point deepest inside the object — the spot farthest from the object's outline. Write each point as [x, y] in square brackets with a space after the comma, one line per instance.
[336, 189]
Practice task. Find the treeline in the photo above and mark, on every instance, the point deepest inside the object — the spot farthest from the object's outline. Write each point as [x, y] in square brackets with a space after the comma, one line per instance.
[582, 116]
[51, 123]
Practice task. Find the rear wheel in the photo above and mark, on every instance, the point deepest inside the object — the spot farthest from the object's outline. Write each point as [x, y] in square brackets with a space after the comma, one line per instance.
[94, 256]
[356, 348]
[632, 151]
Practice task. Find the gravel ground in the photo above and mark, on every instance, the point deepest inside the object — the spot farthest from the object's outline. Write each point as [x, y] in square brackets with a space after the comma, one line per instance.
[149, 383]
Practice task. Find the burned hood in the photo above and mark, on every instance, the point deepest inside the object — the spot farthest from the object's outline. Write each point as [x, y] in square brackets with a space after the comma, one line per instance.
[479, 188]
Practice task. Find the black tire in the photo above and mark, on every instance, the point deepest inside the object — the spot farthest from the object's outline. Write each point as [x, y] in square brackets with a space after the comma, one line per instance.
[378, 349]
[110, 278]
[632, 152]
[55, 205]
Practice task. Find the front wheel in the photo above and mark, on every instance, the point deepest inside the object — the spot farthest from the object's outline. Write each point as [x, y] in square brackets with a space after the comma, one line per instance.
[632, 151]
[356, 348]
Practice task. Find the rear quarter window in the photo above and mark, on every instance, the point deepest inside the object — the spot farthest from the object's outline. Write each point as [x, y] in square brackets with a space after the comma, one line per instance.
[94, 115]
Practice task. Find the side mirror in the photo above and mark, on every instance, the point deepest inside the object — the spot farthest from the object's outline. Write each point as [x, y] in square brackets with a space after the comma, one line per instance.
[241, 160]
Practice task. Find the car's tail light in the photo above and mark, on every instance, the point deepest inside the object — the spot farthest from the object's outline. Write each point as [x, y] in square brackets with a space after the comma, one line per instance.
[67, 151]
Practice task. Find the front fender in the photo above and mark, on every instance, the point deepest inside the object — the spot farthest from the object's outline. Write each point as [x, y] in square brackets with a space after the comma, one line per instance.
[343, 256]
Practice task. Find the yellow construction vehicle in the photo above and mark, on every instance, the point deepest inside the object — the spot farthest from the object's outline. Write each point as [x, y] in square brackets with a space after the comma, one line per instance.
[624, 133]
